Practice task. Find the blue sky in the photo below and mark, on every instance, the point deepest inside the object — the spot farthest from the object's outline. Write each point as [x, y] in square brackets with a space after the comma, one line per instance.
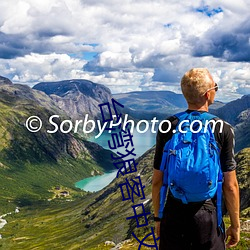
[126, 45]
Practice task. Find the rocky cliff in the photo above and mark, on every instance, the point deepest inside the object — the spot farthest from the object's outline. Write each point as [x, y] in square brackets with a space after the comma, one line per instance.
[243, 175]
[77, 97]
[4, 80]
[232, 110]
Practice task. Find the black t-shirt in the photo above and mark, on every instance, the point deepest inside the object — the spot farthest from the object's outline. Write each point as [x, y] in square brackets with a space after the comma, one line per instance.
[225, 141]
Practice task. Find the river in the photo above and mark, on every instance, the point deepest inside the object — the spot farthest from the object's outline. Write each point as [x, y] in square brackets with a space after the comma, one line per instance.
[142, 142]
[3, 222]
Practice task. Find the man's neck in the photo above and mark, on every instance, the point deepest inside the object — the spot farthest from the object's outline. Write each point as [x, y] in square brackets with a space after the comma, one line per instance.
[198, 107]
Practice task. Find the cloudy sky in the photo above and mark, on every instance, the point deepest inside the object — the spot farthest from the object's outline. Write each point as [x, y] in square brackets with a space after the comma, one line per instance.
[127, 45]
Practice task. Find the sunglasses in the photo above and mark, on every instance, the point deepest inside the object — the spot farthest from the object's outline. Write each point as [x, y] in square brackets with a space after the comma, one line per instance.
[216, 87]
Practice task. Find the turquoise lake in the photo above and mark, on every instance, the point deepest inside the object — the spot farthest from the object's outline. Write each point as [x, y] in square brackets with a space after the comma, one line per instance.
[142, 142]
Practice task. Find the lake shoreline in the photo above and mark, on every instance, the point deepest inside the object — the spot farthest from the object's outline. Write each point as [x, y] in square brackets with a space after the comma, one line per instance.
[141, 143]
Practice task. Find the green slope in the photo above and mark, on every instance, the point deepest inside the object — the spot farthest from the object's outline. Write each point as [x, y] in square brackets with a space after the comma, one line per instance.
[33, 163]
[88, 222]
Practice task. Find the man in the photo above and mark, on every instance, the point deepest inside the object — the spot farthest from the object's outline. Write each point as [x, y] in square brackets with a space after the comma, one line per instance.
[194, 225]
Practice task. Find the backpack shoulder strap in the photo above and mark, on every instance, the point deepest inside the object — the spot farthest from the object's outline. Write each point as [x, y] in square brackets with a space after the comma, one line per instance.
[182, 115]
[208, 116]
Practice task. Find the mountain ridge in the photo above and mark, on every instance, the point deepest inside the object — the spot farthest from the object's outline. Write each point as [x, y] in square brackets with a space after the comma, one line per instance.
[4, 80]
[58, 159]
[237, 114]
[230, 111]
[77, 97]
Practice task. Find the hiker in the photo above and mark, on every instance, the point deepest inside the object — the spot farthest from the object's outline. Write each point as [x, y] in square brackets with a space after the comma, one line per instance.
[188, 224]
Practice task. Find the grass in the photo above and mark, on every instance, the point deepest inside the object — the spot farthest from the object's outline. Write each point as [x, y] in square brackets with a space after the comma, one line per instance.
[58, 225]
[51, 225]
[31, 164]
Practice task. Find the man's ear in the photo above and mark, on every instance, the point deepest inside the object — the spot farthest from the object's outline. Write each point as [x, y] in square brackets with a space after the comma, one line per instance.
[207, 95]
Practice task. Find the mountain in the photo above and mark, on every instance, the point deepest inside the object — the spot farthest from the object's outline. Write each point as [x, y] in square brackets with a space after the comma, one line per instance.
[242, 130]
[147, 104]
[31, 164]
[36, 167]
[232, 110]
[243, 174]
[80, 97]
[216, 105]
[237, 114]
[160, 104]
[4, 80]
[77, 97]
[142, 100]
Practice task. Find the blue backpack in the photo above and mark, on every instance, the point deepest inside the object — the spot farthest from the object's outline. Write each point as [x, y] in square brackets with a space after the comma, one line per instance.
[191, 162]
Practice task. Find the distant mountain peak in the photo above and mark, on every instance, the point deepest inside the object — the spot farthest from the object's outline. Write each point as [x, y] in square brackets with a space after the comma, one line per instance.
[77, 97]
[4, 80]
[62, 88]
[230, 111]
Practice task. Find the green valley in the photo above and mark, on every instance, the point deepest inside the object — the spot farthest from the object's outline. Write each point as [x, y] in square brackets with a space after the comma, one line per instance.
[88, 221]
[32, 163]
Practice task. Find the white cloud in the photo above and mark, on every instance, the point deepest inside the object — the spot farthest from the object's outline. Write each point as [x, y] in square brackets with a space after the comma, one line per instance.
[140, 44]
[117, 81]
[34, 68]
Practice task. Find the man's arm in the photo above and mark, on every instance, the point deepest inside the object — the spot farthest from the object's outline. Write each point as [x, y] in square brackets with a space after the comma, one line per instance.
[156, 187]
[231, 195]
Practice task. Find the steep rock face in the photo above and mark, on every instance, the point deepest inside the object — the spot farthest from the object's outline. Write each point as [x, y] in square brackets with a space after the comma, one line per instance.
[4, 80]
[237, 114]
[77, 97]
[232, 110]
[19, 96]
[242, 130]
[18, 102]
[243, 175]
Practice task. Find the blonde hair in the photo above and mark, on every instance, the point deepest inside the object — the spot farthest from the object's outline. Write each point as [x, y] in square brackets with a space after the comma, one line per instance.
[195, 83]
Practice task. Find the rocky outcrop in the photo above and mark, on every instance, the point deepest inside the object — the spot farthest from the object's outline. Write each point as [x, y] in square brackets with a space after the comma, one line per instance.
[232, 110]
[4, 80]
[242, 130]
[77, 97]
[243, 175]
